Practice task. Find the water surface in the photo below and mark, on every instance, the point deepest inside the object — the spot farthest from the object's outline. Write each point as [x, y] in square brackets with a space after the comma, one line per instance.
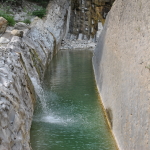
[73, 118]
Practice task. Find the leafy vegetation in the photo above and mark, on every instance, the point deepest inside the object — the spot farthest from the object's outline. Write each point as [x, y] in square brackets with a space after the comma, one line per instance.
[7, 7]
[27, 21]
[8, 17]
[40, 13]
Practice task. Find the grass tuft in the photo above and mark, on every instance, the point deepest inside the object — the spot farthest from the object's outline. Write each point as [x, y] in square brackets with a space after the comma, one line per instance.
[27, 21]
[40, 13]
[8, 17]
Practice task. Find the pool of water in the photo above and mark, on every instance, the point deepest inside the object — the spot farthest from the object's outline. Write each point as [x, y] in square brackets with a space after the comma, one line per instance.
[72, 117]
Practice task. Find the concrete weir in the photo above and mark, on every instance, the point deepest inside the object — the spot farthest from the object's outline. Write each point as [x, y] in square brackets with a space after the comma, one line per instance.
[22, 65]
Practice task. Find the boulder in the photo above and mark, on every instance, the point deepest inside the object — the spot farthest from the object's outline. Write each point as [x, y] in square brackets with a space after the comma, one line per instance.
[21, 26]
[4, 40]
[17, 33]
[3, 24]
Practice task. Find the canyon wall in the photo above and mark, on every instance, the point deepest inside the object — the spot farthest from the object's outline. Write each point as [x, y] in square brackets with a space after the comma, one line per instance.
[122, 69]
[22, 64]
[85, 15]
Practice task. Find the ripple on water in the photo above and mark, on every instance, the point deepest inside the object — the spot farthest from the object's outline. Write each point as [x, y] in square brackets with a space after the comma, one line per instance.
[73, 119]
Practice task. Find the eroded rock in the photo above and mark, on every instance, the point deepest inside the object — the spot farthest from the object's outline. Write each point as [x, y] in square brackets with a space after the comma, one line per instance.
[21, 26]
[17, 33]
[4, 40]
[3, 25]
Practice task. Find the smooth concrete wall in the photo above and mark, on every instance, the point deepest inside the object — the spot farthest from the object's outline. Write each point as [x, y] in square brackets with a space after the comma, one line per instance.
[122, 70]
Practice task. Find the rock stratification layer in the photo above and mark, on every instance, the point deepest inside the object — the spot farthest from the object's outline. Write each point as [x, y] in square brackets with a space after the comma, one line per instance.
[22, 65]
[122, 69]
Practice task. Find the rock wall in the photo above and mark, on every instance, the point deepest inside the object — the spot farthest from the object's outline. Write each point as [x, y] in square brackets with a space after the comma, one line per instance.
[22, 64]
[85, 15]
[122, 70]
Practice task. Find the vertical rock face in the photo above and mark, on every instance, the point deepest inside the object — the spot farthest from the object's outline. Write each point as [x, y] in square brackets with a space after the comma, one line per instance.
[16, 102]
[122, 69]
[22, 65]
[85, 15]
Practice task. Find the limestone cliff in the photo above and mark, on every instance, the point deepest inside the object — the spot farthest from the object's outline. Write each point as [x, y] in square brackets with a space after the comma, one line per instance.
[22, 65]
[122, 69]
[85, 15]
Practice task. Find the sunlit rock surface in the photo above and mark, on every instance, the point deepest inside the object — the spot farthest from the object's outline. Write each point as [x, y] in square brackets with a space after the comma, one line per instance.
[22, 65]
[3, 25]
[16, 102]
[122, 69]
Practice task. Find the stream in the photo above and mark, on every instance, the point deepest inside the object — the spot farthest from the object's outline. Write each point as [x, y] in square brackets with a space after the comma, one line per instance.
[69, 116]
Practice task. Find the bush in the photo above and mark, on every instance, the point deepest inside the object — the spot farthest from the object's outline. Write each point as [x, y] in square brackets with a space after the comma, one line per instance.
[9, 18]
[40, 13]
[27, 21]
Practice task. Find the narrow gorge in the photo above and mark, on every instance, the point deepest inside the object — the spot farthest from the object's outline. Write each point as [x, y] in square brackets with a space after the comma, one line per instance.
[48, 94]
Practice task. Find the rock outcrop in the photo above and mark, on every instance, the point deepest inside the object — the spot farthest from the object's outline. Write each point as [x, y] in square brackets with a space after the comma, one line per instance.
[122, 69]
[21, 26]
[4, 40]
[22, 65]
[3, 25]
[17, 33]
[85, 15]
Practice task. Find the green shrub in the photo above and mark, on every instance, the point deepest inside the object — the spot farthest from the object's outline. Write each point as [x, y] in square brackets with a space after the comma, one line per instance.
[27, 21]
[9, 18]
[40, 13]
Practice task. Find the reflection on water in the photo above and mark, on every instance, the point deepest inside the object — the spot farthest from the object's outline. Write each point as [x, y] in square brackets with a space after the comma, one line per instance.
[74, 119]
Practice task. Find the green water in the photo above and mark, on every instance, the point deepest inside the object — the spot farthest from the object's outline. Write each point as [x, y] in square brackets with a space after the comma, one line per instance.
[72, 118]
